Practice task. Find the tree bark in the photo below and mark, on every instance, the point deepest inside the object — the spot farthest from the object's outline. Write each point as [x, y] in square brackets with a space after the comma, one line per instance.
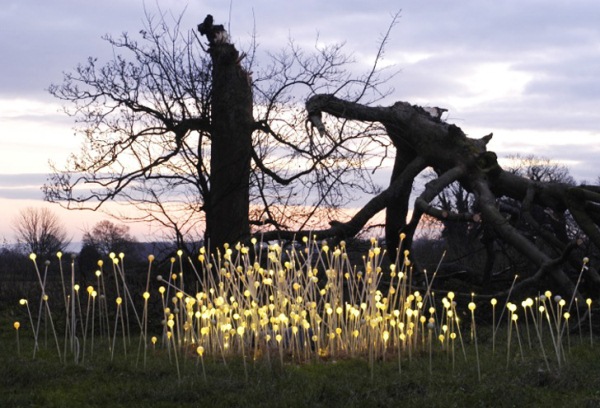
[232, 123]
[423, 138]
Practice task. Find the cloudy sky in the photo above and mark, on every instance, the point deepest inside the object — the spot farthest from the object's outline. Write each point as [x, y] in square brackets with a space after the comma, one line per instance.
[526, 70]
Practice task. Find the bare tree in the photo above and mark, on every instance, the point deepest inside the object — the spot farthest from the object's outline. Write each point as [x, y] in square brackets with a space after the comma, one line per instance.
[145, 118]
[106, 237]
[41, 232]
[189, 134]
[538, 168]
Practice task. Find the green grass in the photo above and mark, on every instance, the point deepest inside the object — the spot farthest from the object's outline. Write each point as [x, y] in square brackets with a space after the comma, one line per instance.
[326, 335]
[46, 382]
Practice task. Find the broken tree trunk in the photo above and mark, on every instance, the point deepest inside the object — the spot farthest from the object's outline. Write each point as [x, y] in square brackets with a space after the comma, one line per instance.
[232, 124]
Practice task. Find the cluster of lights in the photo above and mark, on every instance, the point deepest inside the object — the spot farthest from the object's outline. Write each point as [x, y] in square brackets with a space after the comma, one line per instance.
[299, 304]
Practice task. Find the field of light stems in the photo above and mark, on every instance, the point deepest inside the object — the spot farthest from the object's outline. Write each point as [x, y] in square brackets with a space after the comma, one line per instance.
[260, 318]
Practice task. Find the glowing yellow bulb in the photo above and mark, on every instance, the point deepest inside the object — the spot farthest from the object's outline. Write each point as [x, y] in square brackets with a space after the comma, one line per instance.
[23, 302]
[150, 258]
[32, 256]
[200, 351]
[146, 295]
[472, 306]
[494, 302]
[119, 300]
[16, 325]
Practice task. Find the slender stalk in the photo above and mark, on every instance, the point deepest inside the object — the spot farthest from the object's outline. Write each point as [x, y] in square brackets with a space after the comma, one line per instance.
[472, 307]
[16, 325]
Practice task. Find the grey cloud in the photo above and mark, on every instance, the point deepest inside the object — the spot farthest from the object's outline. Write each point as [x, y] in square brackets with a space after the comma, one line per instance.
[41, 39]
[533, 115]
[22, 186]
[498, 27]
[556, 42]
[22, 193]
[17, 180]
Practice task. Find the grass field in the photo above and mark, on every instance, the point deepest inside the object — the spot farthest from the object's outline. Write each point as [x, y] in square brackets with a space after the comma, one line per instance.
[345, 382]
[305, 330]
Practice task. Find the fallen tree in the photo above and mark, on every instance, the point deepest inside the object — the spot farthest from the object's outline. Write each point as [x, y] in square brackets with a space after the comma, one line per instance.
[423, 141]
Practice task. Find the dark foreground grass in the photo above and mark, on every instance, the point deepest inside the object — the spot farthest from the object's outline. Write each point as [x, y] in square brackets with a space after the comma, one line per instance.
[348, 359]
[46, 382]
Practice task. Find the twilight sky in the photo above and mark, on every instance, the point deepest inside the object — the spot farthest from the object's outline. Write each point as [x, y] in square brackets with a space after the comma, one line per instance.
[528, 71]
